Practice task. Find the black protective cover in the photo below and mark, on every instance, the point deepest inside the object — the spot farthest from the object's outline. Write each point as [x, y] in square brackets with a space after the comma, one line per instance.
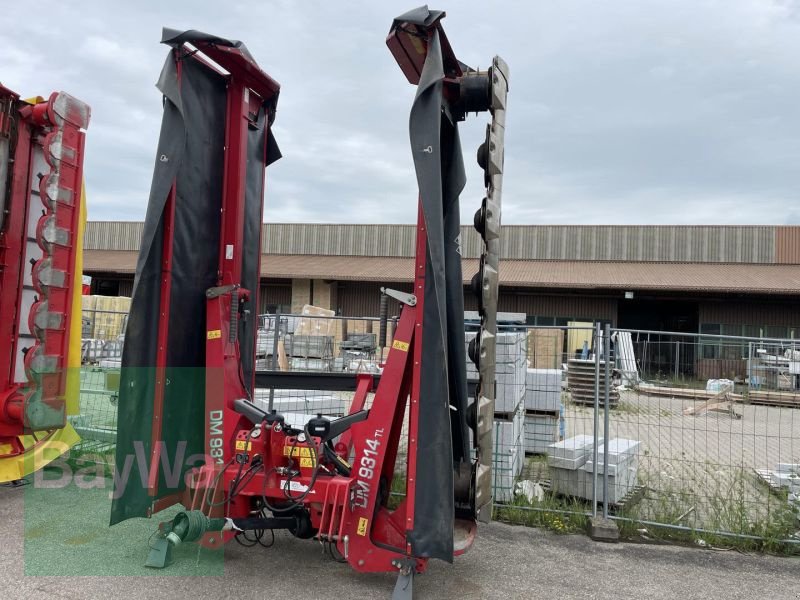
[190, 154]
[443, 439]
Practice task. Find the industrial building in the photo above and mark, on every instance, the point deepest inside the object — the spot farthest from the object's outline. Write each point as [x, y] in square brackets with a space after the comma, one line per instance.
[733, 280]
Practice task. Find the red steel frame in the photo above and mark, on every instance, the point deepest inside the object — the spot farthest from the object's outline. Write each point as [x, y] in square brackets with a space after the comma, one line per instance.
[341, 509]
[248, 87]
[52, 128]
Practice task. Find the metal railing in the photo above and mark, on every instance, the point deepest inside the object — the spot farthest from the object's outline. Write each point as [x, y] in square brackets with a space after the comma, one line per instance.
[703, 442]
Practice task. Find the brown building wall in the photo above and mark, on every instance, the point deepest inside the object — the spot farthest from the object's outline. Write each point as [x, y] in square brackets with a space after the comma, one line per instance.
[274, 293]
[764, 313]
[558, 306]
[787, 245]
[363, 298]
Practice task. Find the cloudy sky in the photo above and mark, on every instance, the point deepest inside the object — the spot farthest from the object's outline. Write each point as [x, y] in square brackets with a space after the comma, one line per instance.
[631, 111]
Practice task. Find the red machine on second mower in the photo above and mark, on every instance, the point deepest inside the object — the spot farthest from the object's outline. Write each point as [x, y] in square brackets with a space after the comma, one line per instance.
[41, 164]
[188, 390]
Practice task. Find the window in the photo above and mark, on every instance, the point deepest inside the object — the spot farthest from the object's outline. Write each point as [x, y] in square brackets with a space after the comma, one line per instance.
[709, 347]
[732, 349]
[777, 332]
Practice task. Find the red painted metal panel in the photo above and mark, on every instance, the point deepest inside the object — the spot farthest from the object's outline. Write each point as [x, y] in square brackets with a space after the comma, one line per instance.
[49, 147]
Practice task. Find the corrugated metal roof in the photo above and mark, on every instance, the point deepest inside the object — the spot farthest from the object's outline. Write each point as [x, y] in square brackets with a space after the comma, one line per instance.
[758, 244]
[723, 278]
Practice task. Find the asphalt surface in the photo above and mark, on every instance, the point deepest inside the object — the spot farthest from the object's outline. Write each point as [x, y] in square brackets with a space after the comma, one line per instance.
[51, 544]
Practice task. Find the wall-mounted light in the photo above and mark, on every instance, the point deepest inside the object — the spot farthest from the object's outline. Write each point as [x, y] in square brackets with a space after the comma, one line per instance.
[628, 295]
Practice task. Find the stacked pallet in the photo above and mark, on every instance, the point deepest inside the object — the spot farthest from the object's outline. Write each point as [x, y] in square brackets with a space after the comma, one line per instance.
[623, 469]
[545, 348]
[509, 371]
[542, 409]
[581, 382]
[104, 317]
[572, 467]
[772, 398]
[565, 460]
[508, 455]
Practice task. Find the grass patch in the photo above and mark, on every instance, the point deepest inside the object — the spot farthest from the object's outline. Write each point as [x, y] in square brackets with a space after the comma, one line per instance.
[553, 513]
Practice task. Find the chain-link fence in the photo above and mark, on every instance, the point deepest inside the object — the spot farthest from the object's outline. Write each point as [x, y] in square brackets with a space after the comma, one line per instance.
[688, 433]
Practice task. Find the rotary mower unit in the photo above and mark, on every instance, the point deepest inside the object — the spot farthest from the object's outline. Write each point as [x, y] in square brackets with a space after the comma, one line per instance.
[186, 395]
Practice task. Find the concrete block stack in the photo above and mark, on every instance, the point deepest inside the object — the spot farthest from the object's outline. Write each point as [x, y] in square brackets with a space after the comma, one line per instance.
[542, 409]
[623, 469]
[509, 417]
[541, 430]
[565, 459]
[508, 454]
[571, 465]
[509, 372]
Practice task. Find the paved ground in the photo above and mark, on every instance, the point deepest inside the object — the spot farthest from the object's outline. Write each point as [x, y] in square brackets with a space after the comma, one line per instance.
[66, 533]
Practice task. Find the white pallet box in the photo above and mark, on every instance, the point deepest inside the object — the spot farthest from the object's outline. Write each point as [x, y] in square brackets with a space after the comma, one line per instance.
[506, 468]
[508, 430]
[623, 467]
[513, 371]
[565, 459]
[508, 456]
[542, 389]
[542, 401]
[568, 482]
[509, 395]
[540, 432]
[509, 346]
[510, 390]
[545, 380]
[571, 453]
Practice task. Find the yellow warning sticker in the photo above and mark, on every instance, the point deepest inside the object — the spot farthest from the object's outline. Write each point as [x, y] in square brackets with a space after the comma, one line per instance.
[295, 452]
[242, 445]
[362, 526]
[400, 345]
[306, 462]
[214, 334]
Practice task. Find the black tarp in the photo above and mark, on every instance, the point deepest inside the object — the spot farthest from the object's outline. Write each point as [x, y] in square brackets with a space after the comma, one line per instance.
[190, 154]
[443, 439]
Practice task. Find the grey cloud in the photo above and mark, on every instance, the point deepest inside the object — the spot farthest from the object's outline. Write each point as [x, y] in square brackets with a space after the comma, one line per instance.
[668, 111]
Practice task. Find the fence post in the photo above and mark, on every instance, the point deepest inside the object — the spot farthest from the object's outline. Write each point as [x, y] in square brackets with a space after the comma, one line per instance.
[606, 409]
[275, 337]
[596, 414]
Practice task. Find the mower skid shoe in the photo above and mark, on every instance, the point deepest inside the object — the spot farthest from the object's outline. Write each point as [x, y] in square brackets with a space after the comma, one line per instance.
[404, 588]
[160, 555]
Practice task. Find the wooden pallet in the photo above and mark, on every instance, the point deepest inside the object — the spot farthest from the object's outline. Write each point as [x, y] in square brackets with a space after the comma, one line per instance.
[632, 498]
[764, 477]
[765, 398]
[687, 393]
[770, 398]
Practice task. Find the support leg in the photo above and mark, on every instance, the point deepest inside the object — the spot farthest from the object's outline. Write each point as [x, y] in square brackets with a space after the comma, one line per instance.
[404, 588]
